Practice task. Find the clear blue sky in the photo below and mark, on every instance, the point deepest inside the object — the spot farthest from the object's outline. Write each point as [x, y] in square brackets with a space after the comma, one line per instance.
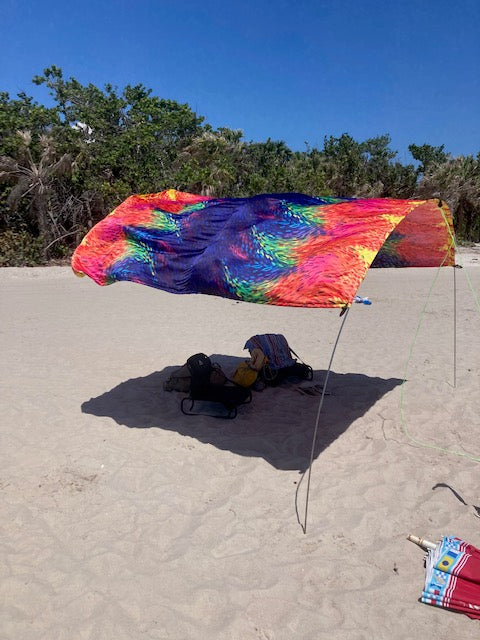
[293, 71]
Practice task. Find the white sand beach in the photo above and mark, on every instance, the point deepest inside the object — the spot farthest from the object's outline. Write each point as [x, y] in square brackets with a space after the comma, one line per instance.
[121, 518]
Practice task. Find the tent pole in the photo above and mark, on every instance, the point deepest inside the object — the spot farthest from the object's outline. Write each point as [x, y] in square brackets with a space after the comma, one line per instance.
[317, 421]
[454, 326]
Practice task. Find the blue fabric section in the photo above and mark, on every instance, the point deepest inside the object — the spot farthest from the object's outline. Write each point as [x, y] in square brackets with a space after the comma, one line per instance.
[275, 347]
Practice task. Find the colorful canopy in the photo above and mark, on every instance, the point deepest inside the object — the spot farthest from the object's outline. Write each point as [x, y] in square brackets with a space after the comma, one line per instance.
[282, 249]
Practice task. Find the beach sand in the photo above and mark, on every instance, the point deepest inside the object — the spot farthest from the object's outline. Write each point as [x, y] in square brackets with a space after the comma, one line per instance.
[122, 518]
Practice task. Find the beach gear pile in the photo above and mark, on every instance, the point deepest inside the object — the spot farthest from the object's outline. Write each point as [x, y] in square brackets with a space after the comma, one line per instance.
[271, 361]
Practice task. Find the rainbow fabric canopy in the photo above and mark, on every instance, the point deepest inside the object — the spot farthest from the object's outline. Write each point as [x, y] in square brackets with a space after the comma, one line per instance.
[282, 249]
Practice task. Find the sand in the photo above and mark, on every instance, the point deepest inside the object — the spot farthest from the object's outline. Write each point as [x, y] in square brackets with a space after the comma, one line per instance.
[122, 518]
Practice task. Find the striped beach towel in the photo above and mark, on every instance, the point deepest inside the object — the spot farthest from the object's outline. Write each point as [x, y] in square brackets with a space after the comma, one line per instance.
[275, 347]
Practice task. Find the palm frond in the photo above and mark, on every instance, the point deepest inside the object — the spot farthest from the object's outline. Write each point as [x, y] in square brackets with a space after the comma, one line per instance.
[62, 167]
[8, 164]
[25, 137]
[18, 191]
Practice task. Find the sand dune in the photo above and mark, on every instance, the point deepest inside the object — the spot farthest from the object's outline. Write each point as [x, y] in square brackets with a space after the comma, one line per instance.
[123, 518]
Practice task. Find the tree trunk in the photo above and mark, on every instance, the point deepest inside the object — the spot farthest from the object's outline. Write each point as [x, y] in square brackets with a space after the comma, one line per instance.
[40, 205]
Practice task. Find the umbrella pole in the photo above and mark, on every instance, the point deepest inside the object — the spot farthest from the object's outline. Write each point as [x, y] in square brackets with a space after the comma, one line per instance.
[454, 326]
[317, 421]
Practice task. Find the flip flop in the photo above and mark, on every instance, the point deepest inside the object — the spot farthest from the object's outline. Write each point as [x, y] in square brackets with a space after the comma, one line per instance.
[315, 390]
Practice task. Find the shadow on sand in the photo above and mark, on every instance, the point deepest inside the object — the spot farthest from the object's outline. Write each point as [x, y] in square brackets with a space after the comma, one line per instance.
[277, 425]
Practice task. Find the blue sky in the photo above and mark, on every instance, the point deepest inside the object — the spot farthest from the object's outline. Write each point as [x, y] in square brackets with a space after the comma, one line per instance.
[294, 71]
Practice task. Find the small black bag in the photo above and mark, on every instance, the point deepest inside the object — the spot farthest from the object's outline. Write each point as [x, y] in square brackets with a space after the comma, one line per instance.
[204, 372]
[205, 386]
[201, 368]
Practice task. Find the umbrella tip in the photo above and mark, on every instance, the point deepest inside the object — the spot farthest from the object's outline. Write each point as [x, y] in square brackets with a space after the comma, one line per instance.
[425, 544]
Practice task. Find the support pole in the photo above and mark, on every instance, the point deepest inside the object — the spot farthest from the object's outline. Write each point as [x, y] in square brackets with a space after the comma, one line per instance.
[317, 421]
[455, 326]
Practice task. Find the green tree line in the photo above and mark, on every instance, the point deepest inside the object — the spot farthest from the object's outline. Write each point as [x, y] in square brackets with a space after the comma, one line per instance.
[63, 168]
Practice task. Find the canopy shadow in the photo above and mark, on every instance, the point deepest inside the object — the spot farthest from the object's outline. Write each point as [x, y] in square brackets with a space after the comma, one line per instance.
[274, 426]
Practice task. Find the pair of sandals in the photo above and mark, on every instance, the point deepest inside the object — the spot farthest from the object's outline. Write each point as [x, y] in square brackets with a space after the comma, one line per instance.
[314, 390]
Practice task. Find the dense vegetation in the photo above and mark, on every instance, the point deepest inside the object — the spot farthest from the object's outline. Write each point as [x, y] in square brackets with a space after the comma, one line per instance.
[63, 168]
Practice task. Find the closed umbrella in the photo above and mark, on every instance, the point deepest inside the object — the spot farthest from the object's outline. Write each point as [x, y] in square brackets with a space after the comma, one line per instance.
[452, 575]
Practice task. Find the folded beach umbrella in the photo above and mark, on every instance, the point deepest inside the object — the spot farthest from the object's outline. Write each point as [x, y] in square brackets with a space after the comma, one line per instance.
[452, 576]
[282, 249]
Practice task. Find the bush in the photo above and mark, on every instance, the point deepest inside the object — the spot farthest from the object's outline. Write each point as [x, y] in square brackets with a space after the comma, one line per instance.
[20, 249]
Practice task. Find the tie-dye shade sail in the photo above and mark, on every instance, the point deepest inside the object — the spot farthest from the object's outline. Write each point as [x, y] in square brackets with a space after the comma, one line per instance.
[281, 249]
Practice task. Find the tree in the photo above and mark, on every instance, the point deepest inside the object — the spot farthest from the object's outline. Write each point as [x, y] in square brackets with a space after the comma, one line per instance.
[428, 156]
[457, 181]
[365, 169]
[133, 138]
[307, 170]
[399, 181]
[22, 114]
[213, 163]
[270, 164]
[344, 166]
[33, 179]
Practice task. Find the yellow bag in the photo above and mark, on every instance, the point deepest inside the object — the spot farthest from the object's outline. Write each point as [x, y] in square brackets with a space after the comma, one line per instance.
[244, 375]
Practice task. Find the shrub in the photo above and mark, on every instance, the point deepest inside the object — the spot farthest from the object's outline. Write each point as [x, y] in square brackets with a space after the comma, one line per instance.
[20, 249]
